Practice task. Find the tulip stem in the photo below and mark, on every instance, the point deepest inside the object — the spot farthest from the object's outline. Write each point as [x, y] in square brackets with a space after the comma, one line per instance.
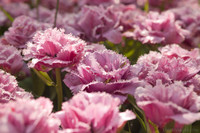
[146, 6]
[55, 18]
[37, 8]
[59, 90]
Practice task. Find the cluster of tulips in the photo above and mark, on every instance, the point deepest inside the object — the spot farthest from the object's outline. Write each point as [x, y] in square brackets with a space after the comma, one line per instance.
[99, 66]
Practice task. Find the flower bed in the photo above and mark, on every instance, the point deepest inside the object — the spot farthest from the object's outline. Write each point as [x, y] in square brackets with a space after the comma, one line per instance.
[99, 66]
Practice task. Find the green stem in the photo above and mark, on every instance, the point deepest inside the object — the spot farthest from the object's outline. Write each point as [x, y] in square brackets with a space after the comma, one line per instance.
[55, 19]
[44, 77]
[7, 14]
[37, 8]
[59, 88]
[146, 6]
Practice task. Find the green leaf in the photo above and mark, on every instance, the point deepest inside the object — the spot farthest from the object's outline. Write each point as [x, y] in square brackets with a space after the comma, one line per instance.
[131, 99]
[198, 45]
[154, 126]
[130, 53]
[124, 131]
[140, 120]
[44, 77]
[129, 128]
[139, 112]
[37, 3]
[196, 127]
[3, 29]
[169, 127]
[33, 84]
[38, 85]
[7, 14]
[187, 129]
[26, 84]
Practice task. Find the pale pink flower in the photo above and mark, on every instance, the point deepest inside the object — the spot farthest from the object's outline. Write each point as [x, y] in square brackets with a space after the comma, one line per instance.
[9, 89]
[172, 64]
[104, 71]
[22, 31]
[65, 21]
[10, 59]
[64, 5]
[20, 9]
[94, 47]
[97, 2]
[165, 4]
[128, 1]
[92, 112]
[158, 28]
[189, 21]
[195, 81]
[163, 103]
[46, 15]
[12, 1]
[176, 51]
[28, 116]
[43, 15]
[53, 48]
[131, 15]
[75, 5]
[98, 23]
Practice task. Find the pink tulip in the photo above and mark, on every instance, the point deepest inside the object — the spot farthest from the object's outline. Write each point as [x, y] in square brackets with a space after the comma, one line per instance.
[92, 112]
